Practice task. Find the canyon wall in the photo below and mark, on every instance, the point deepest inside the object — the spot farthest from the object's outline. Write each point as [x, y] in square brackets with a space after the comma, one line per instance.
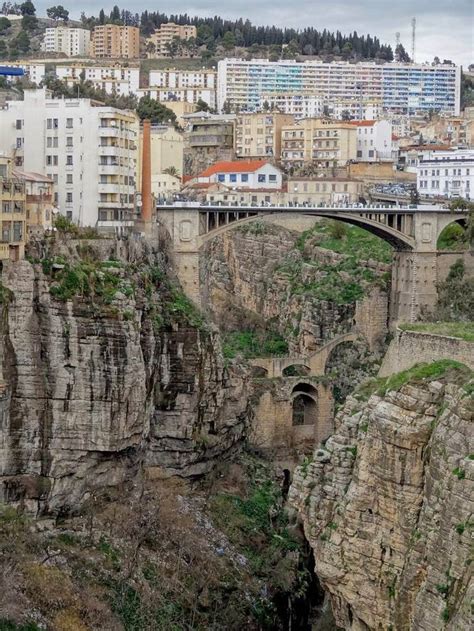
[387, 507]
[120, 378]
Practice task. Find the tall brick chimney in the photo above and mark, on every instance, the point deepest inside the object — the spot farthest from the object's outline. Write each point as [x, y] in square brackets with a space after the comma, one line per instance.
[146, 173]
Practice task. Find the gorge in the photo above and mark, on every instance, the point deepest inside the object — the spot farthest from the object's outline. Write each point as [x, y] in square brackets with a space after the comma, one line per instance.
[147, 453]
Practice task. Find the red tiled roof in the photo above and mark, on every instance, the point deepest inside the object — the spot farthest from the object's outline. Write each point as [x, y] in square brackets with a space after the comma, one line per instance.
[238, 166]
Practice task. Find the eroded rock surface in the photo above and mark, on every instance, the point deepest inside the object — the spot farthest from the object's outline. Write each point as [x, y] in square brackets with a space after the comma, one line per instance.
[387, 505]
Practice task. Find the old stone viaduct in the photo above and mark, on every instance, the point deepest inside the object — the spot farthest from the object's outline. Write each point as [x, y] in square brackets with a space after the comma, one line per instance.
[294, 403]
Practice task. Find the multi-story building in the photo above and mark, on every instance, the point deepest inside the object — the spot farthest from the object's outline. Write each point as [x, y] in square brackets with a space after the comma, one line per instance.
[38, 200]
[89, 151]
[258, 135]
[114, 79]
[317, 191]
[399, 88]
[113, 41]
[158, 44]
[34, 71]
[456, 131]
[327, 143]
[409, 156]
[208, 138]
[447, 174]
[69, 41]
[166, 151]
[12, 213]
[374, 140]
[183, 85]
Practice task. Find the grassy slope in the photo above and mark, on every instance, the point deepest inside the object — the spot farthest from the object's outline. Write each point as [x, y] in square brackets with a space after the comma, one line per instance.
[462, 330]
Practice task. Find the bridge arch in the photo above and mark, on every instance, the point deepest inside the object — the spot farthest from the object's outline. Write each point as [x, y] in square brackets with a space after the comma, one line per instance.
[296, 370]
[385, 231]
[304, 404]
[451, 233]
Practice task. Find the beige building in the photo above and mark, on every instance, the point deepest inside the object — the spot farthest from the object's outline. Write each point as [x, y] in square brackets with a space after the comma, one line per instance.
[166, 145]
[157, 45]
[12, 213]
[317, 191]
[181, 108]
[113, 41]
[258, 135]
[164, 186]
[39, 201]
[327, 143]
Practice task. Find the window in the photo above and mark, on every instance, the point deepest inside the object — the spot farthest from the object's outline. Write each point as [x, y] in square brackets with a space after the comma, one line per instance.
[68, 141]
[69, 123]
[262, 177]
[68, 198]
[69, 178]
[69, 160]
[272, 178]
[244, 177]
[18, 124]
[19, 143]
[221, 177]
[233, 177]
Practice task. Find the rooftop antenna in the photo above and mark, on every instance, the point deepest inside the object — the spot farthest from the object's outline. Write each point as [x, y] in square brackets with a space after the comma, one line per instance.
[413, 30]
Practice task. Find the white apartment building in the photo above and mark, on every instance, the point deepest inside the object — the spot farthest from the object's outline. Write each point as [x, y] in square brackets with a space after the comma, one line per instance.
[33, 70]
[114, 79]
[88, 150]
[298, 105]
[399, 88]
[447, 174]
[69, 41]
[374, 140]
[183, 85]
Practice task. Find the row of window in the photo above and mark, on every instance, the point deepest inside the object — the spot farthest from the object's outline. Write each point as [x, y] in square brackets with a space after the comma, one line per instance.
[244, 177]
[425, 172]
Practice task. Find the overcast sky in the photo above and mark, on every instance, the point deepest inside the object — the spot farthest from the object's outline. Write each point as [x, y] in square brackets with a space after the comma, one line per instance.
[444, 27]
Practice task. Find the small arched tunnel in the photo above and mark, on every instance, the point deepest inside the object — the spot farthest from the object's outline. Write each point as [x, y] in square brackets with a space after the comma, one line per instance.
[258, 372]
[296, 370]
[453, 236]
[305, 404]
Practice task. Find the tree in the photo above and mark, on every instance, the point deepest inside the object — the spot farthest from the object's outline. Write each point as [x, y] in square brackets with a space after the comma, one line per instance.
[58, 13]
[150, 48]
[29, 22]
[5, 24]
[171, 170]
[3, 50]
[101, 17]
[172, 47]
[228, 41]
[27, 8]
[21, 42]
[202, 106]
[155, 111]
[401, 54]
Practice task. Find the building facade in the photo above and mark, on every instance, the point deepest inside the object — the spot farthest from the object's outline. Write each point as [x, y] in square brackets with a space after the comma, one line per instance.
[245, 174]
[183, 85]
[39, 196]
[116, 79]
[113, 41]
[89, 151]
[34, 71]
[158, 44]
[166, 151]
[258, 135]
[374, 140]
[399, 88]
[12, 213]
[66, 40]
[208, 138]
[447, 174]
[329, 191]
[326, 143]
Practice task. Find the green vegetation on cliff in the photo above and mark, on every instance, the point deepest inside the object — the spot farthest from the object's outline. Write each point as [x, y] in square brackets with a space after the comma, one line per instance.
[253, 344]
[462, 330]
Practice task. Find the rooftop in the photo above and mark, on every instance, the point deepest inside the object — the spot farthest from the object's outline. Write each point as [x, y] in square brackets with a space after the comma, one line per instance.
[242, 166]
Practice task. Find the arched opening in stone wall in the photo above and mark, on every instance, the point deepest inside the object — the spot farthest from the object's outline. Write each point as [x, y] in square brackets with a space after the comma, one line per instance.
[453, 237]
[305, 406]
[258, 372]
[296, 370]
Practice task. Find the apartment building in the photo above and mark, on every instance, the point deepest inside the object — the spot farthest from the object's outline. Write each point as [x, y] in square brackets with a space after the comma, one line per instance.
[208, 138]
[157, 45]
[409, 156]
[374, 140]
[113, 79]
[258, 135]
[89, 151]
[39, 196]
[456, 131]
[34, 71]
[447, 174]
[12, 213]
[113, 41]
[183, 85]
[327, 143]
[72, 42]
[330, 191]
[399, 88]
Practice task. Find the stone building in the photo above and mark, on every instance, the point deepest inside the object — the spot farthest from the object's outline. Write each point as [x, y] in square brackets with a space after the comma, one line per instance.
[12, 213]
[208, 138]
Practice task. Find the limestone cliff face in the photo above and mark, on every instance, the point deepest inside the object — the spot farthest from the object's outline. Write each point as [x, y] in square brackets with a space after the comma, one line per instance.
[257, 272]
[93, 393]
[387, 505]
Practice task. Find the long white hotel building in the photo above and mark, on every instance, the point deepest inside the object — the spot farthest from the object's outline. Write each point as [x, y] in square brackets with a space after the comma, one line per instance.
[399, 88]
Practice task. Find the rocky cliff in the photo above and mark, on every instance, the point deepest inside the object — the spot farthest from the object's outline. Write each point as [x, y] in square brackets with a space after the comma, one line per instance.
[387, 504]
[107, 371]
[301, 285]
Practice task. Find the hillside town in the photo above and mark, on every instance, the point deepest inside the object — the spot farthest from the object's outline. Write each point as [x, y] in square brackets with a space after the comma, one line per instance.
[247, 130]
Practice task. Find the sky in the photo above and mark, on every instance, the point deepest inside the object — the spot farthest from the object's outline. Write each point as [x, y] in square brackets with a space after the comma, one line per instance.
[444, 27]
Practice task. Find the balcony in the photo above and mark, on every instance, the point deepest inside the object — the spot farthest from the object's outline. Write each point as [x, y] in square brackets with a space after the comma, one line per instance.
[109, 131]
[110, 188]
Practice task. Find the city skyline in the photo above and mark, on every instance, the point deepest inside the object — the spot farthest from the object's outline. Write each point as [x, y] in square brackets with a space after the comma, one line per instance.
[444, 29]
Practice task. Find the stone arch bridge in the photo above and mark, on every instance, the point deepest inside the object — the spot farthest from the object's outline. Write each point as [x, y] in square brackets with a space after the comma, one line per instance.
[413, 231]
